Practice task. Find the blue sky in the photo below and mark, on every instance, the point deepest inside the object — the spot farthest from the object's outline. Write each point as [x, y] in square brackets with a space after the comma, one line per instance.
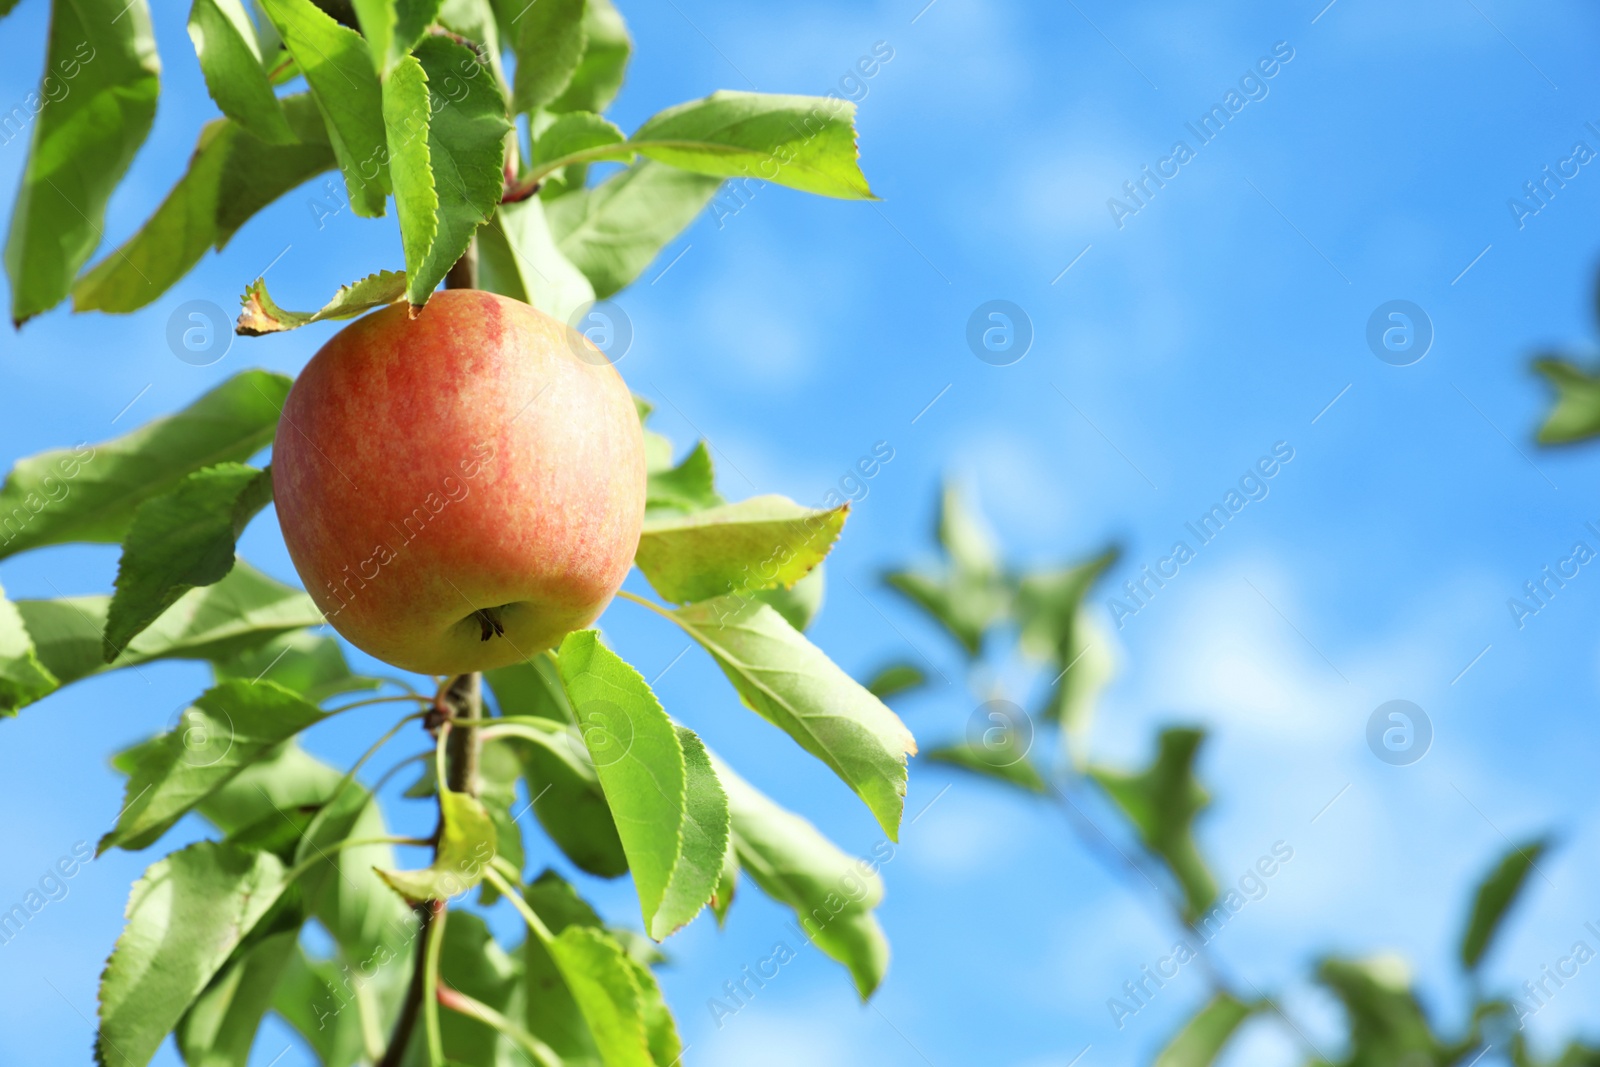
[1221, 318]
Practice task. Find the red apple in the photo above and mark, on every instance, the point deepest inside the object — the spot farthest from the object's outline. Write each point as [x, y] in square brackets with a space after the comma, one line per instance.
[460, 490]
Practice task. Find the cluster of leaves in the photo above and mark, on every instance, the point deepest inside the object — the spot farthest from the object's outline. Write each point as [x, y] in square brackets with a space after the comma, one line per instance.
[975, 598]
[481, 119]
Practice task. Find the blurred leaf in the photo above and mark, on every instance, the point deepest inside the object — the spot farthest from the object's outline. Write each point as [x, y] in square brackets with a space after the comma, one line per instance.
[225, 41]
[685, 489]
[232, 175]
[518, 258]
[605, 58]
[896, 678]
[224, 731]
[1576, 416]
[308, 664]
[1056, 628]
[605, 986]
[244, 610]
[466, 845]
[548, 39]
[800, 603]
[311, 997]
[340, 73]
[1387, 1025]
[804, 142]
[185, 916]
[262, 316]
[1162, 802]
[472, 962]
[670, 812]
[728, 881]
[220, 1026]
[1496, 894]
[613, 231]
[568, 800]
[736, 549]
[90, 493]
[1005, 764]
[82, 143]
[970, 595]
[179, 541]
[393, 26]
[446, 164]
[792, 684]
[23, 678]
[832, 894]
[1202, 1038]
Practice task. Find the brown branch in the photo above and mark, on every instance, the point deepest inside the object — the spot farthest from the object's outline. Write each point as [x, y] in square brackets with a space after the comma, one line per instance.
[406, 1024]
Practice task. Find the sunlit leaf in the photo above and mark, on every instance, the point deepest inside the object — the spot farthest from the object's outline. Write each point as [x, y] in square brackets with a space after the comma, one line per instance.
[220, 1026]
[682, 490]
[103, 54]
[518, 258]
[792, 684]
[613, 231]
[339, 71]
[224, 731]
[800, 603]
[804, 142]
[759, 543]
[832, 894]
[23, 678]
[90, 493]
[311, 665]
[185, 917]
[261, 315]
[181, 540]
[466, 845]
[225, 42]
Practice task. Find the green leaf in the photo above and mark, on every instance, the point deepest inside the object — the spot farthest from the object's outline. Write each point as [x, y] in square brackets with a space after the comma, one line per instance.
[1056, 628]
[613, 231]
[738, 548]
[804, 142]
[605, 986]
[104, 53]
[185, 917]
[790, 682]
[179, 541]
[225, 730]
[1004, 763]
[801, 602]
[1162, 802]
[472, 962]
[568, 800]
[23, 678]
[832, 894]
[90, 493]
[308, 664]
[242, 611]
[339, 71]
[970, 595]
[225, 40]
[1202, 1038]
[311, 997]
[1576, 416]
[446, 162]
[466, 845]
[605, 58]
[579, 131]
[548, 38]
[685, 489]
[261, 315]
[393, 26]
[896, 678]
[1496, 894]
[518, 258]
[671, 815]
[232, 175]
[220, 1027]
[1387, 1025]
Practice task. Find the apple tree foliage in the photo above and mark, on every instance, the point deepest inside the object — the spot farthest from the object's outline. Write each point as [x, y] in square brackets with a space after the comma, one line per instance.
[479, 120]
[1033, 624]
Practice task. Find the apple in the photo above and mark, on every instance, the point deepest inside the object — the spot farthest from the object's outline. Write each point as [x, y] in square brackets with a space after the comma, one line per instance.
[460, 490]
